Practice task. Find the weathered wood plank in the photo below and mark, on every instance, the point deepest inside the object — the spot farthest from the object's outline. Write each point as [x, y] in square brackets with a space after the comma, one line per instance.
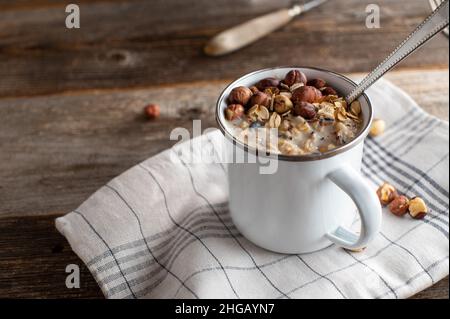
[438, 291]
[428, 89]
[140, 43]
[40, 4]
[33, 259]
[57, 150]
[34, 256]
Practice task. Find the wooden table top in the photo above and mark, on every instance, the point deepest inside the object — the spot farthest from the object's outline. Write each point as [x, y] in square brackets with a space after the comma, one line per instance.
[71, 100]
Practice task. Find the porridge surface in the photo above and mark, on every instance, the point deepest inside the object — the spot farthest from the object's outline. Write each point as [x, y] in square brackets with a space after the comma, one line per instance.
[292, 116]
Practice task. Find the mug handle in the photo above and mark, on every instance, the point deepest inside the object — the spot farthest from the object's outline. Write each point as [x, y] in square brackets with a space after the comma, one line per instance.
[368, 204]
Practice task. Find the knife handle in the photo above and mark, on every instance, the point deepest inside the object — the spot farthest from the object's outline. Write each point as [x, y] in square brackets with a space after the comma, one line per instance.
[248, 32]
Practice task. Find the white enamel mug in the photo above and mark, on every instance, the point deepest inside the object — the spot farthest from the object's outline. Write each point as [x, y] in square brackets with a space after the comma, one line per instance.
[310, 201]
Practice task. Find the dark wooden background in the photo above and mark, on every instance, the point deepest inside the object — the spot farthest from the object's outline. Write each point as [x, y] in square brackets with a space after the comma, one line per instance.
[71, 100]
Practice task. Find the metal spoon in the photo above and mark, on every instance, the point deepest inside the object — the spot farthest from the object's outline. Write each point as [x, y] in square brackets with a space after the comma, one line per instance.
[248, 32]
[432, 25]
[434, 4]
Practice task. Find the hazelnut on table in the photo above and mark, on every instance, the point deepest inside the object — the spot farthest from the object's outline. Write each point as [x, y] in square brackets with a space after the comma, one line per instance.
[377, 128]
[152, 111]
[399, 206]
[386, 193]
[417, 208]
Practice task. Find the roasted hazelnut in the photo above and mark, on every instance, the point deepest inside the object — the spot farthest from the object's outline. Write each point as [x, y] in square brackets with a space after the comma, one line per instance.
[417, 208]
[386, 193]
[258, 113]
[286, 94]
[295, 76]
[267, 83]
[328, 91]
[274, 120]
[305, 110]
[282, 104]
[260, 98]
[399, 206]
[152, 111]
[254, 89]
[377, 128]
[234, 111]
[306, 94]
[272, 91]
[355, 108]
[240, 95]
[317, 83]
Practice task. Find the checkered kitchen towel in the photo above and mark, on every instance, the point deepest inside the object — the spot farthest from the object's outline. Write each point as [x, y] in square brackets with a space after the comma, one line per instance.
[162, 230]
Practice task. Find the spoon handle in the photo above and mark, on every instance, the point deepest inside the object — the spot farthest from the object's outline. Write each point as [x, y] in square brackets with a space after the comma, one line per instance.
[241, 35]
[432, 25]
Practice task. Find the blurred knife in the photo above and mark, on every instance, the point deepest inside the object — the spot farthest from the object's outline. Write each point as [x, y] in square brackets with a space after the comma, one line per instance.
[250, 31]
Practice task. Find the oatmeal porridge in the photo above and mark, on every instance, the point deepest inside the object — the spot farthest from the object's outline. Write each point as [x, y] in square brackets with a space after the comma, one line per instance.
[297, 116]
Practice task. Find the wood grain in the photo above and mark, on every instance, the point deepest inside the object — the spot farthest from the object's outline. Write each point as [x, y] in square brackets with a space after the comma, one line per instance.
[34, 256]
[57, 150]
[33, 260]
[71, 100]
[139, 43]
[438, 291]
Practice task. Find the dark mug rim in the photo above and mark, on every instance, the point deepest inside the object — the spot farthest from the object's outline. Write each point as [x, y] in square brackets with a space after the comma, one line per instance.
[294, 158]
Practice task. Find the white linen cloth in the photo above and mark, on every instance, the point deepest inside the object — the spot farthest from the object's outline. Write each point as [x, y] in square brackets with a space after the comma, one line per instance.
[162, 229]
